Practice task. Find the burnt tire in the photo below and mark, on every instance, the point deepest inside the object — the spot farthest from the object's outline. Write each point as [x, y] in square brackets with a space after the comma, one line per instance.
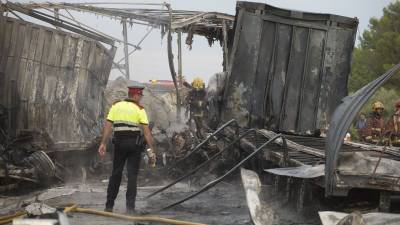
[42, 163]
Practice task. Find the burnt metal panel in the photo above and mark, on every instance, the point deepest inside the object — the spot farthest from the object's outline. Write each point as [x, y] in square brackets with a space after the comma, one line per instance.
[246, 51]
[277, 75]
[266, 57]
[295, 80]
[341, 121]
[288, 69]
[60, 79]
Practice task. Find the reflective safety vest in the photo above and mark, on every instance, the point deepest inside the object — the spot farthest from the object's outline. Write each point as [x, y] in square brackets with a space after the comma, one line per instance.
[127, 116]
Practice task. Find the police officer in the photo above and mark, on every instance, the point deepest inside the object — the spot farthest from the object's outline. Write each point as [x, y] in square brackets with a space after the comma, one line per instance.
[129, 121]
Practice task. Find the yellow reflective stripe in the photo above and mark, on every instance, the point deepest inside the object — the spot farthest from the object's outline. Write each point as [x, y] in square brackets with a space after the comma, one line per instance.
[125, 122]
[127, 129]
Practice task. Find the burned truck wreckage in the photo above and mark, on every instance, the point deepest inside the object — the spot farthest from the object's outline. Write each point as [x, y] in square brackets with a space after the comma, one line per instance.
[52, 90]
[288, 74]
[279, 111]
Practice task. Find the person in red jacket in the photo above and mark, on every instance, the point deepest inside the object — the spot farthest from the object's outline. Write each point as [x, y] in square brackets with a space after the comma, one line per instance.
[392, 128]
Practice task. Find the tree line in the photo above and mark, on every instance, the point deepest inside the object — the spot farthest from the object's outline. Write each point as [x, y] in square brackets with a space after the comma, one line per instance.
[378, 50]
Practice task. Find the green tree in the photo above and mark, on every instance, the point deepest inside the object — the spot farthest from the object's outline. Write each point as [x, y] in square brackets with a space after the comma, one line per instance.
[378, 50]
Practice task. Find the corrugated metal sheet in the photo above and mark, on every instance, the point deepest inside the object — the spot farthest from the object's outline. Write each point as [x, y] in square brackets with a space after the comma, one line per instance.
[59, 78]
[288, 69]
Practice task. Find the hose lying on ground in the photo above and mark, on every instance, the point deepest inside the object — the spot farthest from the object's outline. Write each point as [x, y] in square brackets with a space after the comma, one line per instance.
[134, 218]
[74, 208]
[9, 218]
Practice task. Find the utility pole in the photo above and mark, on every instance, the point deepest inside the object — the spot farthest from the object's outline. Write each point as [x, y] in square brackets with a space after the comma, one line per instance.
[125, 33]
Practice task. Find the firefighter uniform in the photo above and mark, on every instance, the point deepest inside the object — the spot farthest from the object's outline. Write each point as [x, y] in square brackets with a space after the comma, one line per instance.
[126, 117]
[374, 129]
[392, 127]
[197, 104]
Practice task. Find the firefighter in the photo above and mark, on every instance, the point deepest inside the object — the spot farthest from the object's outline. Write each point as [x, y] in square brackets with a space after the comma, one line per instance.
[392, 128]
[196, 104]
[374, 129]
[128, 120]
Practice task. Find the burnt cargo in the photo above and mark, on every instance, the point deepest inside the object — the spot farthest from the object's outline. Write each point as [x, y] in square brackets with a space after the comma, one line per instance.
[288, 69]
[53, 82]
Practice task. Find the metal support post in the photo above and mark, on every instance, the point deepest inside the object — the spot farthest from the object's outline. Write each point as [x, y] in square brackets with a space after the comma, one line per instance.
[125, 33]
[225, 45]
[57, 16]
[171, 63]
[180, 76]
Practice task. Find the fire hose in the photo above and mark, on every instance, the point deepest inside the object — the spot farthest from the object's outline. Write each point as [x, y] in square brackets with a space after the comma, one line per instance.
[134, 218]
[75, 208]
[9, 218]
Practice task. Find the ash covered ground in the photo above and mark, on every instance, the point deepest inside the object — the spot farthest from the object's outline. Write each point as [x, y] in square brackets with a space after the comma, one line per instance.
[223, 204]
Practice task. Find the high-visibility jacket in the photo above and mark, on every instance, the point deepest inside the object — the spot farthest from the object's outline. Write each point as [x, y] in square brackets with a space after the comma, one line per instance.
[127, 116]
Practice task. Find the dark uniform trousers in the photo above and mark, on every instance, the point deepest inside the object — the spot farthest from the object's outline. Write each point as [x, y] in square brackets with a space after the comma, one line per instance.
[125, 150]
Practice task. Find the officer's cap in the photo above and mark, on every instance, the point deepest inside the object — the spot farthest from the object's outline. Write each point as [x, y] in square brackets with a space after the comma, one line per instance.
[136, 89]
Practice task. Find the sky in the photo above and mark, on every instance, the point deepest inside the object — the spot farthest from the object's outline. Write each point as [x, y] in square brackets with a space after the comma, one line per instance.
[151, 62]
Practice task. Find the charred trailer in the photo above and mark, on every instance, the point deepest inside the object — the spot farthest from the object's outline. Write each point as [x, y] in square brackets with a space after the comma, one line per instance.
[51, 91]
[288, 70]
[288, 73]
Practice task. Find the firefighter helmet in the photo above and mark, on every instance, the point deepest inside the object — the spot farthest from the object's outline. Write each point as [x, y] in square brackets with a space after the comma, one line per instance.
[198, 83]
[377, 105]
